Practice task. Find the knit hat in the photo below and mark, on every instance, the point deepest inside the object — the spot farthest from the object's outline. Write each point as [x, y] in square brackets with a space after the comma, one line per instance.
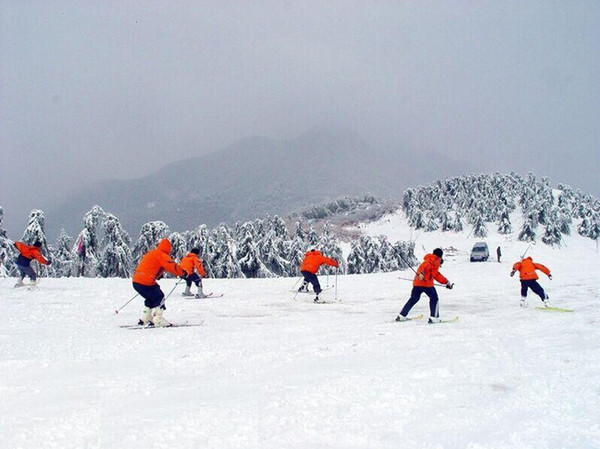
[438, 252]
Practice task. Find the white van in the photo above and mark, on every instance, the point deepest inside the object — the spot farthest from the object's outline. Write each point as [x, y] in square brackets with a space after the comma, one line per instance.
[480, 252]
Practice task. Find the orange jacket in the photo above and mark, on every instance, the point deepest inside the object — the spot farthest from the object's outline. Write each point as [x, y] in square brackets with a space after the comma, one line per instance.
[527, 267]
[430, 270]
[31, 252]
[191, 262]
[154, 263]
[314, 259]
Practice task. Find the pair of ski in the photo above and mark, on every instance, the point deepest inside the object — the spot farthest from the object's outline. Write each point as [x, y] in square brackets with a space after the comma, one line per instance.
[419, 317]
[207, 296]
[173, 325]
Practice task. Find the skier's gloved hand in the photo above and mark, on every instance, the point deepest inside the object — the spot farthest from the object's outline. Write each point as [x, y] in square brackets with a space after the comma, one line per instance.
[550, 276]
[420, 276]
[449, 286]
[49, 262]
[184, 275]
[512, 273]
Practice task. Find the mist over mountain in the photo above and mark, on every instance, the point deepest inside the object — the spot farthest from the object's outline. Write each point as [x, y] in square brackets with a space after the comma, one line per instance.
[253, 177]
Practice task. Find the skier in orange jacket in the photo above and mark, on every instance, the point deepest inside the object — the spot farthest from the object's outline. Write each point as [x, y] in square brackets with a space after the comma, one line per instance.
[193, 266]
[426, 274]
[313, 260]
[152, 266]
[27, 253]
[529, 277]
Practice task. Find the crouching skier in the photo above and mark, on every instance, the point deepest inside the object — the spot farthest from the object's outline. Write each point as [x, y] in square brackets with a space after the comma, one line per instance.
[26, 254]
[193, 266]
[529, 277]
[151, 267]
[427, 272]
[313, 260]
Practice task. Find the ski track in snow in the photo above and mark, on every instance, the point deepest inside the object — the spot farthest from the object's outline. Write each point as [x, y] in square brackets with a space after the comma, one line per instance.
[264, 371]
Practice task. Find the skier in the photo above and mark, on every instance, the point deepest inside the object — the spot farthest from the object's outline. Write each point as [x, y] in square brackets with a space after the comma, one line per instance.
[193, 265]
[313, 260]
[528, 277]
[26, 254]
[427, 272]
[498, 253]
[151, 267]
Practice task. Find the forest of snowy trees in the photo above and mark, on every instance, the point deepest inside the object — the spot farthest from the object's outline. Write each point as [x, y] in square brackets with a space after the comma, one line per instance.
[259, 248]
[268, 247]
[480, 202]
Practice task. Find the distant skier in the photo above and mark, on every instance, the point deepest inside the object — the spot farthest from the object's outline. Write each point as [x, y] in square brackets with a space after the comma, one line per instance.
[27, 253]
[427, 272]
[193, 265]
[152, 266]
[498, 253]
[528, 277]
[313, 260]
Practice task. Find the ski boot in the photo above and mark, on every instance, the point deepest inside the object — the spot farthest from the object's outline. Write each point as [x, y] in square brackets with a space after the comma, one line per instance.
[146, 318]
[187, 291]
[303, 288]
[157, 318]
[200, 293]
[434, 320]
[523, 302]
[20, 283]
[400, 318]
[546, 301]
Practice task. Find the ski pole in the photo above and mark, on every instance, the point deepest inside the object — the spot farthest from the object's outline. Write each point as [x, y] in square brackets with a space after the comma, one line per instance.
[336, 271]
[173, 289]
[123, 306]
[523, 256]
[296, 283]
[404, 260]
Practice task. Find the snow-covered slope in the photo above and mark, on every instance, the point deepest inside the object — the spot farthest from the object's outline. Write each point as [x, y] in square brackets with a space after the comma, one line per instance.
[267, 371]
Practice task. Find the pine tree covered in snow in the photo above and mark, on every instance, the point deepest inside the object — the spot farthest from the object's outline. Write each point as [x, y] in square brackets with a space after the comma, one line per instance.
[8, 252]
[115, 257]
[356, 258]
[87, 245]
[62, 256]
[150, 234]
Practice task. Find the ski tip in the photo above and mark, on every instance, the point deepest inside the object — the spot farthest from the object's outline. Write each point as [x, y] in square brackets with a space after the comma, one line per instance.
[554, 309]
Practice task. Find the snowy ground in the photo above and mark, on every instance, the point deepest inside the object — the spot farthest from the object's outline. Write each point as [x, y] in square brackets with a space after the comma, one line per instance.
[264, 371]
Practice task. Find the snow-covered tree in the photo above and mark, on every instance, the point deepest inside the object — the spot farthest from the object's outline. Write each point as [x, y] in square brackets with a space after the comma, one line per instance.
[479, 228]
[87, 245]
[224, 263]
[62, 256]
[356, 258]
[248, 256]
[330, 247]
[115, 257]
[504, 225]
[150, 234]
[527, 233]
[8, 252]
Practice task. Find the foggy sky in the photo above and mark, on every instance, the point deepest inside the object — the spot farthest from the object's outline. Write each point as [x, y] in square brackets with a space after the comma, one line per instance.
[94, 90]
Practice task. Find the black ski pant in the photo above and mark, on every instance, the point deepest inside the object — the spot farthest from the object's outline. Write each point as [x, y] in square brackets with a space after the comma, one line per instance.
[415, 295]
[312, 278]
[152, 294]
[26, 270]
[193, 278]
[534, 286]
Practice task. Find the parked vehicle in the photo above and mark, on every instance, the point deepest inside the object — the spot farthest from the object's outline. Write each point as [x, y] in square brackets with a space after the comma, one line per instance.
[480, 252]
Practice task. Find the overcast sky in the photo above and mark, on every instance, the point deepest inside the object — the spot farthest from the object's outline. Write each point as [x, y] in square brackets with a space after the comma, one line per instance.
[91, 90]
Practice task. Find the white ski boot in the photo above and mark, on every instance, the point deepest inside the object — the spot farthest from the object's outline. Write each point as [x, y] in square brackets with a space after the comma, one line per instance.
[401, 318]
[157, 318]
[434, 320]
[546, 301]
[146, 317]
[200, 293]
[20, 283]
[523, 302]
[187, 291]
